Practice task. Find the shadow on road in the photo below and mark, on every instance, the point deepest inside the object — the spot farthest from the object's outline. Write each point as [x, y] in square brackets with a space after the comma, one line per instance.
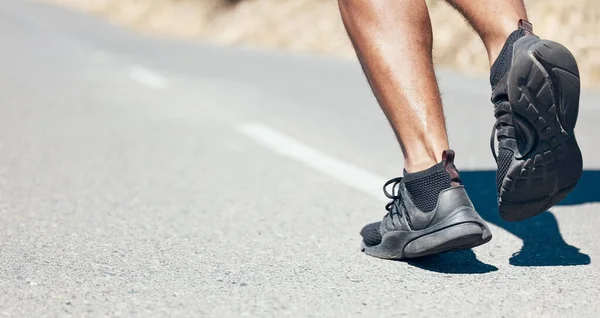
[461, 262]
[543, 245]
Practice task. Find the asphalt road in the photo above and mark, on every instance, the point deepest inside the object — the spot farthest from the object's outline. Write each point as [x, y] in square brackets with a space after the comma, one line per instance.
[146, 177]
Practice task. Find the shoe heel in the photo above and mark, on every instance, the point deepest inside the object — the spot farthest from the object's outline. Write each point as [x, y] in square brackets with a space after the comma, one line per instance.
[457, 237]
[521, 211]
[544, 87]
[463, 229]
[562, 72]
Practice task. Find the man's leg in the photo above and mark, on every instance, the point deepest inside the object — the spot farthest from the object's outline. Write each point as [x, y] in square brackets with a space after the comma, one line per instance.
[535, 90]
[430, 211]
[493, 20]
[393, 40]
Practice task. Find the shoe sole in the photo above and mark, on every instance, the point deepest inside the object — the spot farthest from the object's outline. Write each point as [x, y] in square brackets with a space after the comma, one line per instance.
[461, 230]
[543, 90]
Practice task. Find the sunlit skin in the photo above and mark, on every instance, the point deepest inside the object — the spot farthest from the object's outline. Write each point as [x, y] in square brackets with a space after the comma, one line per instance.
[393, 40]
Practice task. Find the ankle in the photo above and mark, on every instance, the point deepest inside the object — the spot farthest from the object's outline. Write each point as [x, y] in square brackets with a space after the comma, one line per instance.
[494, 42]
[495, 46]
[420, 164]
[422, 158]
[423, 161]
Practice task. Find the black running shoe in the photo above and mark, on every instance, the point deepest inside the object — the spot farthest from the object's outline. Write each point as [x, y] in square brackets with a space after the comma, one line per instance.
[430, 213]
[535, 90]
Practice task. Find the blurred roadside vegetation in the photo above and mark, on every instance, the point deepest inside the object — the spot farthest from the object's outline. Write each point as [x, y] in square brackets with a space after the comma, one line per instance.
[314, 26]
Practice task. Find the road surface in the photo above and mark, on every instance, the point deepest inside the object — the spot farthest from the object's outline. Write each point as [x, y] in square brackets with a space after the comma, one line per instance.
[146, 177]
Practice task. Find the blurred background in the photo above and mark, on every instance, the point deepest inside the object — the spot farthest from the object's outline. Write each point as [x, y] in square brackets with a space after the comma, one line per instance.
[315, 26]
[145, 176]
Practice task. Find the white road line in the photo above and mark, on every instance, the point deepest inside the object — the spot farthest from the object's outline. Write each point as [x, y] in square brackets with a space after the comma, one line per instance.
[147, 77]
[352, 176]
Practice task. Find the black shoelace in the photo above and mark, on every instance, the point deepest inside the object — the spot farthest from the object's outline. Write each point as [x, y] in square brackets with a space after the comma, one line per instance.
[393, 206]
[504, 126]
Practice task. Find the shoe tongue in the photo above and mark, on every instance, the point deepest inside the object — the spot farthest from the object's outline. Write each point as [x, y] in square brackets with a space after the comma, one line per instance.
[526, 26]
[448, 160]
